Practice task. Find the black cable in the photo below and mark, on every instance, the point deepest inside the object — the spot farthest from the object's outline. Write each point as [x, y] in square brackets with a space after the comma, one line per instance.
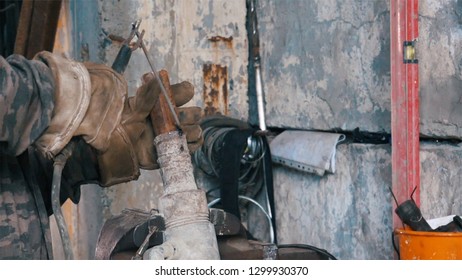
[211, 190]
[394, 245]
[412, 194]
[58, 166]
[394, 198]
[7, 8]
[309, 247]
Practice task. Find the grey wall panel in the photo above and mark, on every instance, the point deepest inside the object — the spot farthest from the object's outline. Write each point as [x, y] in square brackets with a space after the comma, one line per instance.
[326, 64]
[347, 213]
[440, 58]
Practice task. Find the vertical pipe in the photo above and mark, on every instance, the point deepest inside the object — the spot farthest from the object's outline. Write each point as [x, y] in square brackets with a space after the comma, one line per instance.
[404, 104]
[260, 102]
[412, 73]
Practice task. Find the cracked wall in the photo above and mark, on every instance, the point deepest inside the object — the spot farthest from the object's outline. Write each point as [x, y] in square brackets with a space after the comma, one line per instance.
[325, 66]
[440, 58]
[328, 61]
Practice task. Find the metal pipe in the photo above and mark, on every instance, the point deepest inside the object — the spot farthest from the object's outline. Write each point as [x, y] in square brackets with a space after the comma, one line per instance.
[260, 102]
[404, 29]
[257, 65]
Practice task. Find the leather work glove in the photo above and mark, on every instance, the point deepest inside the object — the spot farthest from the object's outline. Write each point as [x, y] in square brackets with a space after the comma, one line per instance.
[132, 145]
[91, 102]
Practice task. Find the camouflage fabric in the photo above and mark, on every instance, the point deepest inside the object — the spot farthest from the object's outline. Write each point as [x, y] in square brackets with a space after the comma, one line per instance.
[26, 102]
[26, 105]
[24, 230]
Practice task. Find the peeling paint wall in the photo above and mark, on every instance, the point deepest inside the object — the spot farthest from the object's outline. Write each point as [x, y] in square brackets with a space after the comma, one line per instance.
[348, 213]
[183, 37]
[325, 66]
[328, 61]
[440, 56]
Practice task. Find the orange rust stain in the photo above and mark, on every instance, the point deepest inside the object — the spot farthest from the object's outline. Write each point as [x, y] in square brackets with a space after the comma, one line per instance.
[215, 93]
[227, 40]
[220, 45]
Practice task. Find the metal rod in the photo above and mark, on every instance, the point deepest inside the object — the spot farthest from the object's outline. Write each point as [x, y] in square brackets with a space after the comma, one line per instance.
[162, 88]
[260, 103]
[257, 65]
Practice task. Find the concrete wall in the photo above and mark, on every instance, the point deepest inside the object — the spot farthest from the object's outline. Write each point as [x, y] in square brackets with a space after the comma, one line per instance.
[440, 68]
[328, 61]
[325, 66]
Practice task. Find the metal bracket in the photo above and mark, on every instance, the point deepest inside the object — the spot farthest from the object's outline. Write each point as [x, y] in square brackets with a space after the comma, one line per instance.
[409, 52]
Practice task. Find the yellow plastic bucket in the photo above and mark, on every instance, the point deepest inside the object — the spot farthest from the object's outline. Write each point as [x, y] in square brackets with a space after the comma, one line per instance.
[425, 245]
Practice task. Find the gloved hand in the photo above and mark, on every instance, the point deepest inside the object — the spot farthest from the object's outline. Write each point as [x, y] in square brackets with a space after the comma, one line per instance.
[91, 101]
[131, 146]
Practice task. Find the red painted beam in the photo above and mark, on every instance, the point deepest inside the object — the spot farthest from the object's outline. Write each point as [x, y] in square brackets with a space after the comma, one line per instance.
[404, 29]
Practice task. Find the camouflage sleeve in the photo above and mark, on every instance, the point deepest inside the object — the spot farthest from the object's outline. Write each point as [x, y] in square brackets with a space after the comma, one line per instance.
[26, 102]
[26, 106]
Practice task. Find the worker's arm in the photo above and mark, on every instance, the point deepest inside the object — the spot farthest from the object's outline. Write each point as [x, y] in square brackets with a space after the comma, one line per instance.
[91, 102]
[26, 102]
[88, 102]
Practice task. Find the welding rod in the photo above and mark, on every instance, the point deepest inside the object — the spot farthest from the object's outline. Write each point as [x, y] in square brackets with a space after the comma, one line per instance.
[162, 87]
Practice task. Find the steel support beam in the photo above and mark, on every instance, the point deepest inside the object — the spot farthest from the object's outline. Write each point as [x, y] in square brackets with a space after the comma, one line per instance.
[404, 29]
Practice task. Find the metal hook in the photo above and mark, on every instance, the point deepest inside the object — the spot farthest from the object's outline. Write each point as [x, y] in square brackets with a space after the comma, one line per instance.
[412, 194]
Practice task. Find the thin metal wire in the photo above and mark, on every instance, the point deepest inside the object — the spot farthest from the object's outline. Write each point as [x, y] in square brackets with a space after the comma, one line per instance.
[156, 74]
[268, 217]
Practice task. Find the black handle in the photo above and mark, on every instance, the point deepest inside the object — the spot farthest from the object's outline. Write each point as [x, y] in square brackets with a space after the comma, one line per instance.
[122, 59]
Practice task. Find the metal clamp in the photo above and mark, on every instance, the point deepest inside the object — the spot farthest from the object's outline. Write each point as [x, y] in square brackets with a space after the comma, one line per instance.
[409, 52]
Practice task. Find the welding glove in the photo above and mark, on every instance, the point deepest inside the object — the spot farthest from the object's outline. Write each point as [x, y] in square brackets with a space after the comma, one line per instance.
[91, 102]
[131, 146]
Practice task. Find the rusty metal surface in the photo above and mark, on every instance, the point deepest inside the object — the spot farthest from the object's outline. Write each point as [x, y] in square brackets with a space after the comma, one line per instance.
[239, 248]
[37, 27]
[233, 243]
[215, 93]
[298, 254]
[126, 232]
[227, 40]
[163, 119]
[225, 223]
[124, 255]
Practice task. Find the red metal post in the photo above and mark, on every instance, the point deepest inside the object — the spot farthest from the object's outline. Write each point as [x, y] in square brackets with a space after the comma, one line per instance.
[405, 130]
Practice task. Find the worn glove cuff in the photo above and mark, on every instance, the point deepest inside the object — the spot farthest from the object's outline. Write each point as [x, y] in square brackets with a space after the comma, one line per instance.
[72, 98]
